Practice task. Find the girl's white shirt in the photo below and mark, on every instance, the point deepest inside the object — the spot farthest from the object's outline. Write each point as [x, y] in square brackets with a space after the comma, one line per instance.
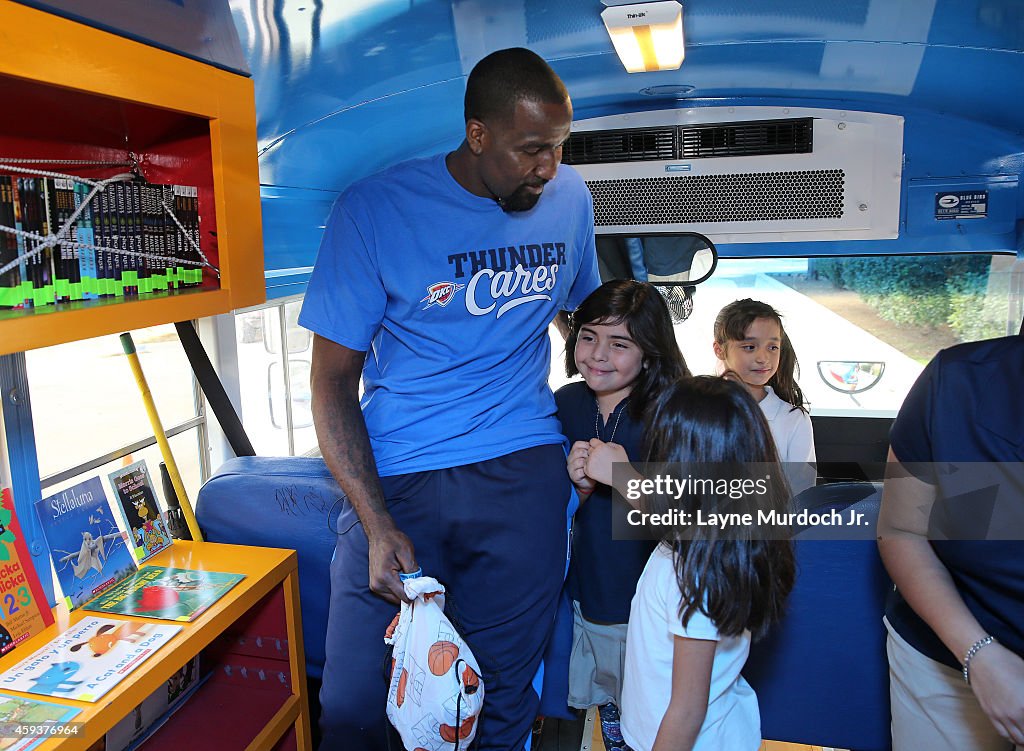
[791, 428]
[732, 721]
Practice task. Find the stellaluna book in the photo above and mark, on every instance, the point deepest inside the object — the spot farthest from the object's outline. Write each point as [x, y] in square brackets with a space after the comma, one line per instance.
[88, 551]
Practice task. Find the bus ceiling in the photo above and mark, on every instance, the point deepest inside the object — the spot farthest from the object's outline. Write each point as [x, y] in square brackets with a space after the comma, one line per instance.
[903, 120]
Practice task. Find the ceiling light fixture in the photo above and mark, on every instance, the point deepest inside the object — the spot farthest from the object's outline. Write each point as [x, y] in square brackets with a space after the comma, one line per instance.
[647, 36]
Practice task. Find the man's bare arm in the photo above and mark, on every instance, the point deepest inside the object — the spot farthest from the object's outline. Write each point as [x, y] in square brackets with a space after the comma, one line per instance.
[561, 322]
[345, 445]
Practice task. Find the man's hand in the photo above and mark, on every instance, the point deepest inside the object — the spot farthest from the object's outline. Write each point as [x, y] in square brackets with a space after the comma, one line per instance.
[391, 553]
[345, 446]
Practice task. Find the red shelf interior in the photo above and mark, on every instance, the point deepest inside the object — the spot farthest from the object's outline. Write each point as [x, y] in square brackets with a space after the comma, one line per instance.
[250, 680]
[220, 714]
[55, 123]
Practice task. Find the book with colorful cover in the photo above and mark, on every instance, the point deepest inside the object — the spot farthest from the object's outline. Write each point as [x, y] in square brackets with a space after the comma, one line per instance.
[88, 659]
[88, 551]
[22, 721]
[136, 502]
[24, 610]
[171, 594]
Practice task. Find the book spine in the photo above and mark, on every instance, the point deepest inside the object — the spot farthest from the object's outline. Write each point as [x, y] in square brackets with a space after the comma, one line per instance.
[144, 264]
[102, 241]
[24, 271]
[166, 275]
[129, 272]
[69, 252]
[173, 234]
[85, 233]
[193, 227]
[59, 274]
[10, 282]
[116, 247]
[174, 269]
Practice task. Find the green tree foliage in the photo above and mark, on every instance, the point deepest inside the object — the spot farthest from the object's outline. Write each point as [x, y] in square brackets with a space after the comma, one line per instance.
[924, 290]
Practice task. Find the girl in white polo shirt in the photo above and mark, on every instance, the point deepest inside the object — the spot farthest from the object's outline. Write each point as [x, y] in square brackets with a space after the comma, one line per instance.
[705, 590]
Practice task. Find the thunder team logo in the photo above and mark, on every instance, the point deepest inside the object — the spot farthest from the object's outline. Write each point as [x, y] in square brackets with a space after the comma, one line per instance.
[441, 293]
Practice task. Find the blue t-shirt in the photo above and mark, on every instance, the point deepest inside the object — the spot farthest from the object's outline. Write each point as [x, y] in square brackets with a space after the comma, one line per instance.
[451, 299]
[966, 406]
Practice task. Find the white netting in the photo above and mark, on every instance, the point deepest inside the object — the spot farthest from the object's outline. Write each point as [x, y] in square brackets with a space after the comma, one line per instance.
[63, 235]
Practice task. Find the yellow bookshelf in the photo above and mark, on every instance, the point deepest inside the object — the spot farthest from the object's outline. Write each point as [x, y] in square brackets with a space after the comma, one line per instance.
[255, 625]
[71, 91]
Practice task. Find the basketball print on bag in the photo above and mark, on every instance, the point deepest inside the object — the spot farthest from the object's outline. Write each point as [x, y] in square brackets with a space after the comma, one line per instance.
[400, 693]
[435, 691]
[448, 733]
[442, 656]
[470, 680]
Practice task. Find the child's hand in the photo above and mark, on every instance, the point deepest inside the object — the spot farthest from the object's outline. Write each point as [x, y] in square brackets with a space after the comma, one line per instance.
[601, 458]
[577, 464]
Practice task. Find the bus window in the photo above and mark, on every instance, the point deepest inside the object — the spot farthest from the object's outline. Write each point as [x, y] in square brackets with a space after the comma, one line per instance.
[276, 411]
[86, 406]
[877, 320]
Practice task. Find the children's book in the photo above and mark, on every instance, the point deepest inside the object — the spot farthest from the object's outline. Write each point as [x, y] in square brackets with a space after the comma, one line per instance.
[172, 594]
[26, 722]
[88, 659]
[24, 610]
[88, 551]
[136, 502]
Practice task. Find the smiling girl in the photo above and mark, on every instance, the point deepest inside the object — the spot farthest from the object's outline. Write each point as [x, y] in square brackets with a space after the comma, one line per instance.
[622, 342]
[752, 344]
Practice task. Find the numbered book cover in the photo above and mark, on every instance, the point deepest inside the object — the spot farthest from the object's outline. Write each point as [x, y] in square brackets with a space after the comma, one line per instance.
[171, 594]
[24, 610]
[25, 723]
[88, 551]
[88, 659]
[135, 500]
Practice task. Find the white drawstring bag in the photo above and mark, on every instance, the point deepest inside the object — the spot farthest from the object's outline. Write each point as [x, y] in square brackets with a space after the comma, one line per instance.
[435, 692]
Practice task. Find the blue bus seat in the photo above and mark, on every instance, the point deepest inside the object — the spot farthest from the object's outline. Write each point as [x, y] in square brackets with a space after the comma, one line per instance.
[821, 676]
[280, 502]
[839, 495]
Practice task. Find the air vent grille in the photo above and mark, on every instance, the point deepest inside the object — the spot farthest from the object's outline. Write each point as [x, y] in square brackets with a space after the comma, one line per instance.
[628, 145]
[747, 139]
[699, 199]
[755, 138]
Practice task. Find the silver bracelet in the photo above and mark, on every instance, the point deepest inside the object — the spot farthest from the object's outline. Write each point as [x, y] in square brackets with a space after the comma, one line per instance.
[974, 649]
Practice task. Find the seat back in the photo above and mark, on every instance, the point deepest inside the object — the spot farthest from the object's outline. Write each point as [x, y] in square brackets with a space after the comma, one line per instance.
[280, 502]
[821, 676]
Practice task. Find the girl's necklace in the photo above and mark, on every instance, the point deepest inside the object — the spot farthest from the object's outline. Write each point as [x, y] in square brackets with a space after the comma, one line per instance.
[597, 419]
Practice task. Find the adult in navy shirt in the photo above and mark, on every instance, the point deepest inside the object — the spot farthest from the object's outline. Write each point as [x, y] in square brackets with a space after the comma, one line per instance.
[950, 537]
[436, 282]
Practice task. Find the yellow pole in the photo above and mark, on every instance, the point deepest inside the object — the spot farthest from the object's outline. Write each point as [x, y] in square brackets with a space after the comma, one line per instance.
[158, 430]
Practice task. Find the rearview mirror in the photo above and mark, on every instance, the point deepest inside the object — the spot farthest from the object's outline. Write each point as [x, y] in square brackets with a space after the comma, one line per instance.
[678, 259]
[850, 376]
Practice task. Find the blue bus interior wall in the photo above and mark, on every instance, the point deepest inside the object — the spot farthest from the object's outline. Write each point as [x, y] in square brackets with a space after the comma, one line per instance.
[345, 89]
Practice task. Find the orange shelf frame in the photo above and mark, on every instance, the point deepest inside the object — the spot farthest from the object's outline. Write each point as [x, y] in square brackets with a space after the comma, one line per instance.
[185, 119]
[266, 600]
